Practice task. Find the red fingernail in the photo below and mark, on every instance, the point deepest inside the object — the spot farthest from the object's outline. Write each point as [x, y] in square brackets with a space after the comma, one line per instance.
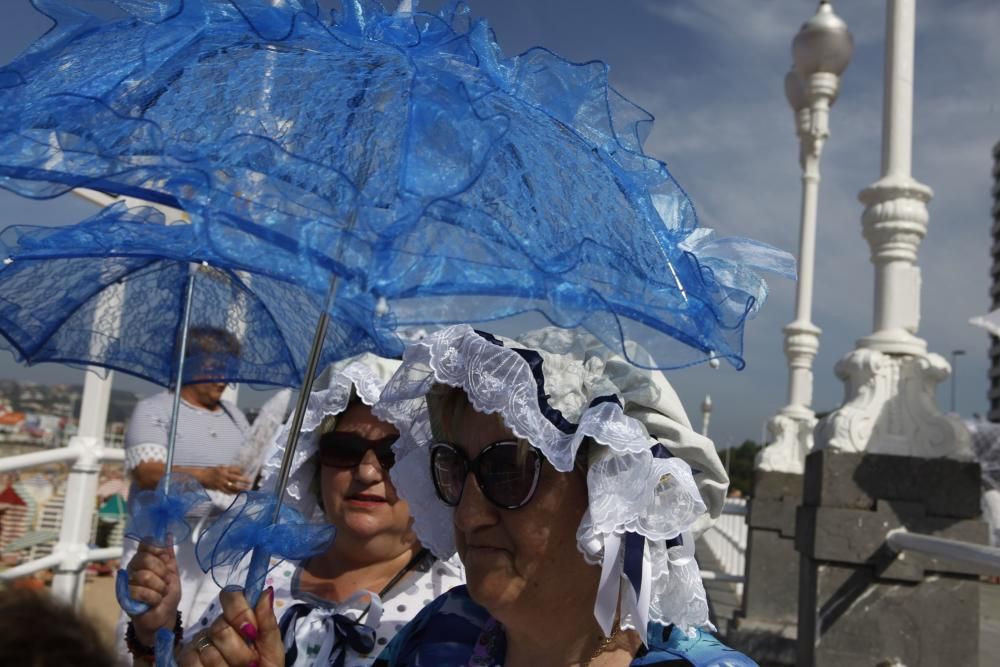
[248, 631]
[253, 663]
[270, 595]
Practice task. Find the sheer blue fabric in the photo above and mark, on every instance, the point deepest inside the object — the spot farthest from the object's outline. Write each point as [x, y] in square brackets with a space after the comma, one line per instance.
[110, 292]
[440, 180]
[157, 516]
[164, 649]
[247, 527]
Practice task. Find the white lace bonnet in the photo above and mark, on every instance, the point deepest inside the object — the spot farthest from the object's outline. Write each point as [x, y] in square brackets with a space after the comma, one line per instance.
[653, 483]
[363, 376]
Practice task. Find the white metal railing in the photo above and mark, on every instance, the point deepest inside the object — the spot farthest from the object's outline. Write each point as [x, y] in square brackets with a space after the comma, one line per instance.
[56, 558]
[70, 452]
[63, 554]
[85, 453]
[727, 540]
[976, 556]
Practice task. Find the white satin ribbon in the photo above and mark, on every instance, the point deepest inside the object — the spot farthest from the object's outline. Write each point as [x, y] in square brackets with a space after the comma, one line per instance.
[615, 586]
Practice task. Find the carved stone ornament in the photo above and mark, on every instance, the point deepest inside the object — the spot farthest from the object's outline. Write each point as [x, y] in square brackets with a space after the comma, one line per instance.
[791, 440]
[890, 408]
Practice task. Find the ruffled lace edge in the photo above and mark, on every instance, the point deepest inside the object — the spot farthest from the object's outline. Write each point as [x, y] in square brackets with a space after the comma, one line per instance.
[146, 451]
[629, 488]
[497, 381]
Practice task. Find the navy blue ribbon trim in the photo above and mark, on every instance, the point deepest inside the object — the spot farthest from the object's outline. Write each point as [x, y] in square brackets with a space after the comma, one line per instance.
[534, 361]
[635, 551]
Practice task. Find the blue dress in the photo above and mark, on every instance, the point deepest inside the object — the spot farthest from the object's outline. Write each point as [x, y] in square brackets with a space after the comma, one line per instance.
[454, 631]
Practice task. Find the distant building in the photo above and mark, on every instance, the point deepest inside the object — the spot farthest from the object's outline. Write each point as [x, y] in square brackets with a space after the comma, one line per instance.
[994, 395]
[49, 520]
[17, 510]
[11, 421]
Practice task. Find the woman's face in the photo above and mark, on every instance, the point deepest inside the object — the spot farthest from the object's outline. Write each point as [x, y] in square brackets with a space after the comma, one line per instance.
[520, 562]
[361, 501]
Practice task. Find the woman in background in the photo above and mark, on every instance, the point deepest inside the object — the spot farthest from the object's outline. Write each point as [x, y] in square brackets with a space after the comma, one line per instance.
[343, 606]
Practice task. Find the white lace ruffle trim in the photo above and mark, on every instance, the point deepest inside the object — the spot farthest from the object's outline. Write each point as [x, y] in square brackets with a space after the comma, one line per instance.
[147, 451]
[629, 489]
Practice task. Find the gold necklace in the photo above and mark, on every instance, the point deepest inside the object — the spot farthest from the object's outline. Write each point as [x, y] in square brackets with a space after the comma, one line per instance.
[603, 645]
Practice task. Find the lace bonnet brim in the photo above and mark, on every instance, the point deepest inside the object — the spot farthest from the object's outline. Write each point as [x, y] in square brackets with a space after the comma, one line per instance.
[653, 483]
[363, 376]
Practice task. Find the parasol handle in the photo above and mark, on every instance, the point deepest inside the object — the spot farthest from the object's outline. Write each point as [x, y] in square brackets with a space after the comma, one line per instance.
[303, 399]
[164, 649]
[129, 605]
[260, 561]
[175, 408]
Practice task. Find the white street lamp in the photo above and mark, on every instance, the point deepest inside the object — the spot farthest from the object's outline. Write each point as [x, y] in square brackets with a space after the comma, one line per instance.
[890, 405]
[821, 52]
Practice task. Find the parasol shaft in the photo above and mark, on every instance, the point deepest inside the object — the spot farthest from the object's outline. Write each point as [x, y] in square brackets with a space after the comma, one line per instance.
[303, 399]
[181, 354]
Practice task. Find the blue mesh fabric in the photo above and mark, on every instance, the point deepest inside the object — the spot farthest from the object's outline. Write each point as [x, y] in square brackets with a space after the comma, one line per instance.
[158, 516]
[441, 180]
[109, 291]
[247, 528]
[164, 649]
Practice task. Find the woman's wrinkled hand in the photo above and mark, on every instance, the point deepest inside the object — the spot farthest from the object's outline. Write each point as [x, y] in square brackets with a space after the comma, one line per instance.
[240, 637]
[153, 579]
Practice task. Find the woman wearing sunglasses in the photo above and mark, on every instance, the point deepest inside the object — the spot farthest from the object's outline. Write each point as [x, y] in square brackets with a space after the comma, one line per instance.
[342, 607]
[571, 485]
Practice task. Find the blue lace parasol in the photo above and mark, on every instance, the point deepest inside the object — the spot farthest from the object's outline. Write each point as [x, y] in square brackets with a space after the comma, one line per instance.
[401, 152]
[120, 290]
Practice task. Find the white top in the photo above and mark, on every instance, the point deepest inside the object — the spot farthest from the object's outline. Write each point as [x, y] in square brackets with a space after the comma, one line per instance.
[205, 438]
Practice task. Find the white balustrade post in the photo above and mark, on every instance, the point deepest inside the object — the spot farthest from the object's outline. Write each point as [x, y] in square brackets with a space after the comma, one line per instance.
[821, 50]
[81, 489]
[890, 404]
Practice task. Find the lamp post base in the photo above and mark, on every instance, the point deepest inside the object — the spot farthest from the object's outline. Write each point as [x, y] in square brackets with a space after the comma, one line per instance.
[890, 408]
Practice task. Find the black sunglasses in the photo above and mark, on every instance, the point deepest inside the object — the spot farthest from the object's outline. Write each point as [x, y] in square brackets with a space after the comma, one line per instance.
[507, 472]
[341, 449]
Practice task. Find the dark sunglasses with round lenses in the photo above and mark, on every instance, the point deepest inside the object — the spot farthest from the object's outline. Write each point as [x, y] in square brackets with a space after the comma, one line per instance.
[507, 472]
[341, 449]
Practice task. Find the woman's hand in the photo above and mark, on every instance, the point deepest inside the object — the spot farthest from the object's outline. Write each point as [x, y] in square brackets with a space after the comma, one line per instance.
[153, 579]
[228, 479]
[240, 637]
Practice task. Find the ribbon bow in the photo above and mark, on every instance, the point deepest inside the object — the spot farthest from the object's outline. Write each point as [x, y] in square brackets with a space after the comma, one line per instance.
[248, 526]
[159, 517]
[339, 632]
[156, 513]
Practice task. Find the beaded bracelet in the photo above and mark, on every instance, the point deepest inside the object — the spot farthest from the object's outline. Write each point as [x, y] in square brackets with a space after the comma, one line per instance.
[140, 650]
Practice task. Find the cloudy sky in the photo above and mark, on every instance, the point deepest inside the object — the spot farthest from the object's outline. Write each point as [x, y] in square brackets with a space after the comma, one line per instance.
[711, 72]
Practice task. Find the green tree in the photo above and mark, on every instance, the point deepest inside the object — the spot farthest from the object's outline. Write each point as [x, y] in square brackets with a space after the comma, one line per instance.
[740, 460]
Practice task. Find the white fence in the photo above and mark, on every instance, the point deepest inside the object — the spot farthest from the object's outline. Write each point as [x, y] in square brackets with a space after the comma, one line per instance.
[85, 453]
[727, 541]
